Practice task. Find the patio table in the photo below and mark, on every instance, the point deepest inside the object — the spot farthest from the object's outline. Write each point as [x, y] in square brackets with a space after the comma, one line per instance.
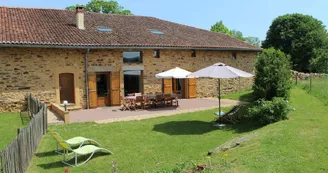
[130, 97]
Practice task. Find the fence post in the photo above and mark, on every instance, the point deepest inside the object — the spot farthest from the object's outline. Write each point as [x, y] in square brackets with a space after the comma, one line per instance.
[296, 76]
[28, 105]
[18, 131]
[310, 82]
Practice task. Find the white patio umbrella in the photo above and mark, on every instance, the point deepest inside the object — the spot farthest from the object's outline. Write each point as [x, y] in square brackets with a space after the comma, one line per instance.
[220, 71]
[174, 73]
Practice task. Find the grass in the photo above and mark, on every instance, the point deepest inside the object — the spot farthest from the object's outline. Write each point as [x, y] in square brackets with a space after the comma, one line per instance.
[319, 88]
[9, 123]
[295, 145]
[244, 95]
[141, 146]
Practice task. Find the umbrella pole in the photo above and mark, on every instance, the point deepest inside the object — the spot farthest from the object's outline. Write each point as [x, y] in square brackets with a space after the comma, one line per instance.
[220, 97]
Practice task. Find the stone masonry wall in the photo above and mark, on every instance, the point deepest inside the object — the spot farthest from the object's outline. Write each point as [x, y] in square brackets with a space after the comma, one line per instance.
[32, 70]
[24, 70]
[182, 58]
[303, 76]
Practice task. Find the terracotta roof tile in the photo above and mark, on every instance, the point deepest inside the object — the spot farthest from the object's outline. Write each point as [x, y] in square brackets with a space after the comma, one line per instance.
[52, 27]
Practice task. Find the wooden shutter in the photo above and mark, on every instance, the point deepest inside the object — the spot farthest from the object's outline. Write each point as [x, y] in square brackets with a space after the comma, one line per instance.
[92, 82]
[167, 86]
[192, 88]
[115, 89]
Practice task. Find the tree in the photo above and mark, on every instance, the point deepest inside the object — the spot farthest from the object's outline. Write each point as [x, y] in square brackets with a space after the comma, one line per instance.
[103, 6]
[319, 63]
[253, 40]
[297, 35]
[220, 27]
[237, 34]
[272, 75]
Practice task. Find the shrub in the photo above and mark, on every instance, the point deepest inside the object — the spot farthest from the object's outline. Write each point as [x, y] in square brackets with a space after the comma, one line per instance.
[272, 75]
[267, 112]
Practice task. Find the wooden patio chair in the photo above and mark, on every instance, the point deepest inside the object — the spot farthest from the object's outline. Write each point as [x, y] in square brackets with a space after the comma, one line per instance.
[175, 101]
[159, 100]
[132, 104]
[231, 117]
[139, 102]
[124, 104]
[168, 99]
[147, 102]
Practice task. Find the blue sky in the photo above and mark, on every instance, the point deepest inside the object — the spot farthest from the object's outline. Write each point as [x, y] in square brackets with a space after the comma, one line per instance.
[252, 17]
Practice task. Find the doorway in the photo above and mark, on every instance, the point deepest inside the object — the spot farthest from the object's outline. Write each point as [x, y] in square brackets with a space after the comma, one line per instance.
[66, 87]
[103, 89]
[178, 86]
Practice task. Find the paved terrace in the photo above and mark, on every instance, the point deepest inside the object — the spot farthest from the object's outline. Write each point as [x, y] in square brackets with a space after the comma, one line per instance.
[114, 114]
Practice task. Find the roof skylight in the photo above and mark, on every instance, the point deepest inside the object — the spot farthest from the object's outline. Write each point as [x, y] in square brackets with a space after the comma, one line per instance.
[155, 31]
[104, 29]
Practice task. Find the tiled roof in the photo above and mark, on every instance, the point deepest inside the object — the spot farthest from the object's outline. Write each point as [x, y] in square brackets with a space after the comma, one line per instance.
[53, 27]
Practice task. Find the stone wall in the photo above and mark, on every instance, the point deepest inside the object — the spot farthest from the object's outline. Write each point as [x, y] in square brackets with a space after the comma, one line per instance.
[182, 58]
[35, 70]
[303, 76]
[31, 70]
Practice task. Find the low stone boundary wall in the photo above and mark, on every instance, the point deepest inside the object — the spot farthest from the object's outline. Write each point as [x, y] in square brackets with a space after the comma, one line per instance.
[61, 112]
[302, 76]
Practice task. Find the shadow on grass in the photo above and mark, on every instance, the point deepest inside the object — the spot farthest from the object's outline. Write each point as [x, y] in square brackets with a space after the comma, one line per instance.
[201, 127]
[59, 164]
[46, 154]
[184, 127]
[249, 97]
[243, 126]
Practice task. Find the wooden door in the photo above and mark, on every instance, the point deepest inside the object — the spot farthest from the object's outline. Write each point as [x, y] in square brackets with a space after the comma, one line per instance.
[167, 86]
[192, 88]
[92, 83]
[115, 89]
[66, 86]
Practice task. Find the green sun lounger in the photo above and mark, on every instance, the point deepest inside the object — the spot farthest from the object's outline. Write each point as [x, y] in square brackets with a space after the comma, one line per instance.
[76, 141]
[83, 150]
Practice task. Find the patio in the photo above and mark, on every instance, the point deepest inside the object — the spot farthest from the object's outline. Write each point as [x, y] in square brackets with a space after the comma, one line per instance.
[114, 114]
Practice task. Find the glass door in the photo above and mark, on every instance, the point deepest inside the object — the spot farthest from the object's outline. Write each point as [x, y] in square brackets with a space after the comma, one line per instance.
[177, 86]
[103, 89]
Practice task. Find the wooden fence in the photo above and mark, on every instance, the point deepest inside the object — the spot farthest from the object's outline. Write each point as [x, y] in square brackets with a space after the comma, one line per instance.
[18, 154]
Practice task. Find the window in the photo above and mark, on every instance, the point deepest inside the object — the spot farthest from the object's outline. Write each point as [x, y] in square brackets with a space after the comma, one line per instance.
[155, 31]
[234, 55]
[193, 53]
[132, 81]
[132, 57]
[156, 53]
[103, 29]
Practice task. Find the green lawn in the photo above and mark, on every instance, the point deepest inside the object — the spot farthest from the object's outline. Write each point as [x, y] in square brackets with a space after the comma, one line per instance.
[319, 88]
[295, 145]
[9, 123]
[243, 95]
[140, 146]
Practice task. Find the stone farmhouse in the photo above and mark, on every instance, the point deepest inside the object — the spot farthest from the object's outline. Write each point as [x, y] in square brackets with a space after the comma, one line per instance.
[92, 59]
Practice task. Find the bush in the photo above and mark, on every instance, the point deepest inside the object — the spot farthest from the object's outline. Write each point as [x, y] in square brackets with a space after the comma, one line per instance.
[272, 75]
[267, 112]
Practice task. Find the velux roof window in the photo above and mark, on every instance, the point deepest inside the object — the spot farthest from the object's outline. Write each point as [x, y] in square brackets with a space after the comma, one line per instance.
[104, 29]
[155, 31]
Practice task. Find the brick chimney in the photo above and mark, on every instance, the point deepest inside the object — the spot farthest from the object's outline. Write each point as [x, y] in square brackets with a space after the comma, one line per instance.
[80, 17]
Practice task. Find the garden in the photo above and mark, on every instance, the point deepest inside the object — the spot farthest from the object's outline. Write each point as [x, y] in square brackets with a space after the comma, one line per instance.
[187, 142]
